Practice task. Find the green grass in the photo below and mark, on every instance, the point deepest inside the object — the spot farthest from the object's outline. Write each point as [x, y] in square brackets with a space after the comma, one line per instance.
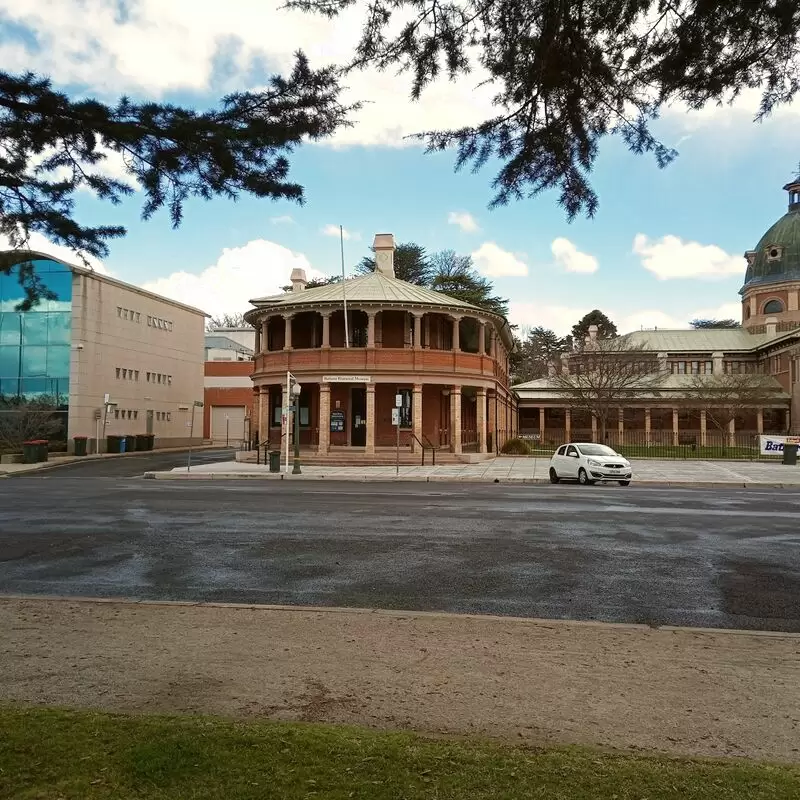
[48, 754]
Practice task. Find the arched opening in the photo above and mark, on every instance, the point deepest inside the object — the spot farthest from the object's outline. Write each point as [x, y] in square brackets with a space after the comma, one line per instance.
[773, 307]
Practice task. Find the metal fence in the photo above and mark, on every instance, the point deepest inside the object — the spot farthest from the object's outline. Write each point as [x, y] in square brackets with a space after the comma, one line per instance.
[686, 444]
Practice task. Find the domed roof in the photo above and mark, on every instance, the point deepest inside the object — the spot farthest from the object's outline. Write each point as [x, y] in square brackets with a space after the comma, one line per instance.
[776, 257]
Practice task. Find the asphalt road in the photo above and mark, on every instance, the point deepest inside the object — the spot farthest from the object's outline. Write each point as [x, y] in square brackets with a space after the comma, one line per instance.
[132, 465]
[688, 557]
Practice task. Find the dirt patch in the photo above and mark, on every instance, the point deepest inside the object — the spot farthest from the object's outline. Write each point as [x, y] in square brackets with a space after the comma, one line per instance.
[682, 692]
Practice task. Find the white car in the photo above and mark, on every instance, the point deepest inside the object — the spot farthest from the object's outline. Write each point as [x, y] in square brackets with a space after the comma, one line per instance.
[588, 463]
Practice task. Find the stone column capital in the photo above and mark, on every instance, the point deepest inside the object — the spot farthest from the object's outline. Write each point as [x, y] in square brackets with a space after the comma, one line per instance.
[370, 388]
[326, 313]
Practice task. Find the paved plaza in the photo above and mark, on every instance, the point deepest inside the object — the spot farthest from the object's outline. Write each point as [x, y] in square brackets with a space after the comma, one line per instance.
[512, 470]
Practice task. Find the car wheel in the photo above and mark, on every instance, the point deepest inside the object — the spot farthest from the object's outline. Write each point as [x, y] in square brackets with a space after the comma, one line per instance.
[583, 478]
[554, 476]
[624, 483]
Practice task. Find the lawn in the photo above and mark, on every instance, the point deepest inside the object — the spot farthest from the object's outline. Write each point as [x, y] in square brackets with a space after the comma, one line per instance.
[68, 755]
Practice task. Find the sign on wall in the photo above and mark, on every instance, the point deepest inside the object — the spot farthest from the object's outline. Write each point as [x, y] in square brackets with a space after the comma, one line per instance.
[773, 445]
[346, 378]
[337, 421]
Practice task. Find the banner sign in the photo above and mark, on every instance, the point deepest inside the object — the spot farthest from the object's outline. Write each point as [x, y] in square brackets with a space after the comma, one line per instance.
[773, 445]
[346, 378]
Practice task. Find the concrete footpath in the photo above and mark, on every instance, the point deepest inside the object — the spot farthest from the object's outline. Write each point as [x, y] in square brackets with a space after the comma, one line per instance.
[685, 692]
[509, 469]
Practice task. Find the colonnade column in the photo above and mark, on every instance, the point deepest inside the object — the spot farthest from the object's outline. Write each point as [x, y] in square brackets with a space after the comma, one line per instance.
[492, 423]
[370, 448]
[457, 334]
[675, 427]
[371, 328]
[480, 409]
[647, 422]
[703, 427]
[416, 415]
[264, 336]
[567, 423]
[455, 418]
[257, 348]
[324, 418]
[621, 426]
[481, 338]
[541, 423]
[732, 433]
[760, 421]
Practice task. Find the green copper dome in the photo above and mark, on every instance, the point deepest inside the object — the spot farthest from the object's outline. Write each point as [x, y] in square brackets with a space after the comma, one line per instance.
[777, 256]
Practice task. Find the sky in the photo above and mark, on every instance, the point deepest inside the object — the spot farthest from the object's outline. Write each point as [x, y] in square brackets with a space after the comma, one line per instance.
[665, 247]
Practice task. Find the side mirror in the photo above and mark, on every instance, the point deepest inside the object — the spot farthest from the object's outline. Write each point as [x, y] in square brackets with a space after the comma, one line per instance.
[573, 455]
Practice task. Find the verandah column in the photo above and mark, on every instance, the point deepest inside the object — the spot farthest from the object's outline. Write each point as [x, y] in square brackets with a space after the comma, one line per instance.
[263, 413]
[732, 433]
[324, 418]
[541, 423]
[326, 330]
[703, 428]
[675, 437]
[647, 424]
[760, 421]
[480, 409]
[417, 330]
[371, 329]
[492, 423]
[455, 418]
[287, 335]
[416, 416]
[370, 448]
[567, 423]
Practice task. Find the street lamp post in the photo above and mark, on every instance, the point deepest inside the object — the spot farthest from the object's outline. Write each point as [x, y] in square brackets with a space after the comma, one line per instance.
[296, 389]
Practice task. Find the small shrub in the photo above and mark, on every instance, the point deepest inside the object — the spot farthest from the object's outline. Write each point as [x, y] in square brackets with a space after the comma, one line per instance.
[516, 447]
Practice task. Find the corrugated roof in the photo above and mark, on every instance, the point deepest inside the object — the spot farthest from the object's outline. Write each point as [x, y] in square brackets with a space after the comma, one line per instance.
[217, 342]
[695, 340]
[372, 288]
[547, 388]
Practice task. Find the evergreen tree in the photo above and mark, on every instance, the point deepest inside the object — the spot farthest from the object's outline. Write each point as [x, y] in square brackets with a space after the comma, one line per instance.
[698, 324]
[566, 74]
[606, 329]
[411, 264]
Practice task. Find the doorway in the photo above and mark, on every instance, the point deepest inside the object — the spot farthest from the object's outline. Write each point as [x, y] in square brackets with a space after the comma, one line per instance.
[358, 417]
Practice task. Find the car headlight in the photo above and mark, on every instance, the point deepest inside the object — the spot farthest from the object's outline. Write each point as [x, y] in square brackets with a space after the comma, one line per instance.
[592, 463]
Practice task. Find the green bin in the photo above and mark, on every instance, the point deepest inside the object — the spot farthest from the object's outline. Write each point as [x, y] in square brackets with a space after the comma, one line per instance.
[274, 460]
[42, 450]
[790, 454]
[141, 441]
[151, 438]
[130, 444]
[30, 452]
[113, 444]
[80, 445]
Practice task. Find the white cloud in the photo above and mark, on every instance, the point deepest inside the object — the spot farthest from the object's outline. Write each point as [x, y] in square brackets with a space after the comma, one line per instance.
[670, 257]
[257, 269]
[464, 220]
[333, 230]
[282, 220]
[558, 318]
[494, 262]
[569, 258]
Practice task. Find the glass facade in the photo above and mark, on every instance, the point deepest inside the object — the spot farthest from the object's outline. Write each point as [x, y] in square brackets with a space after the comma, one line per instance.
[35, 344]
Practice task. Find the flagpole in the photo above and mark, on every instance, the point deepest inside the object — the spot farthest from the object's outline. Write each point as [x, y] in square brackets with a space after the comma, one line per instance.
[344, 291]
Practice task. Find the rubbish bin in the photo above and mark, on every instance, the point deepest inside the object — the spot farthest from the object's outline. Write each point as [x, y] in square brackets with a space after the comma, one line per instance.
[141, 441]
[80, 445]
[130, 444]
[42, 449]
[151, 438]
[790, 454]
[112, 444]
[274, 460]
[123, 442]
[30, 452]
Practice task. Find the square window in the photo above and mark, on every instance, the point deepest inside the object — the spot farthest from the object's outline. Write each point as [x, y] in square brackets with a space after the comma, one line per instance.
[118, 372]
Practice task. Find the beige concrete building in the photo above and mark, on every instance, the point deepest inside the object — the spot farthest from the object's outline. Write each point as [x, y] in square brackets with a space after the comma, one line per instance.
[96, 339]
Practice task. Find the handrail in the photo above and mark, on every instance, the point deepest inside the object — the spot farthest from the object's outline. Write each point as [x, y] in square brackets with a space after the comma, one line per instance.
[425, 447]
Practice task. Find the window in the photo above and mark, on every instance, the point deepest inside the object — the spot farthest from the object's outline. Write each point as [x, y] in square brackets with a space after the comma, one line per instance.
[709, 367]
[136, 415]
[116, 413]
[169, 379]
[169, 416]
[678, 367]
[138, 316]
[571, 451]
[561, 451]
[119, 311]
[136, 373]
[158, 416]
[149, 320]
[119, 371]
[695, 367]
[159, 377]
[148, 377]
[405, 409]
[773, 307]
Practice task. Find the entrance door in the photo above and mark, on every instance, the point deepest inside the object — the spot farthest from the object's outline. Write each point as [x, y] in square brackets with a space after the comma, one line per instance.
[358, 417]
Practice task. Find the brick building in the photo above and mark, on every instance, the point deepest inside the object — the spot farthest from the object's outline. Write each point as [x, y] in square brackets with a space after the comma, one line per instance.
[228, 396]
[667, 412]
[446, 359]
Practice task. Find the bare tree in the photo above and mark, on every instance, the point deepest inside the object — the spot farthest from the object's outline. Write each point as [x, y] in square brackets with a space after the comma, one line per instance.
[235, 320]
[725, 397]
[605, 375]
[21, 422]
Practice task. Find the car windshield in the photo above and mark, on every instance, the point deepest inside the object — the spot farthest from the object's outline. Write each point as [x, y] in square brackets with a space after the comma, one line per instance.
[596, 450]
